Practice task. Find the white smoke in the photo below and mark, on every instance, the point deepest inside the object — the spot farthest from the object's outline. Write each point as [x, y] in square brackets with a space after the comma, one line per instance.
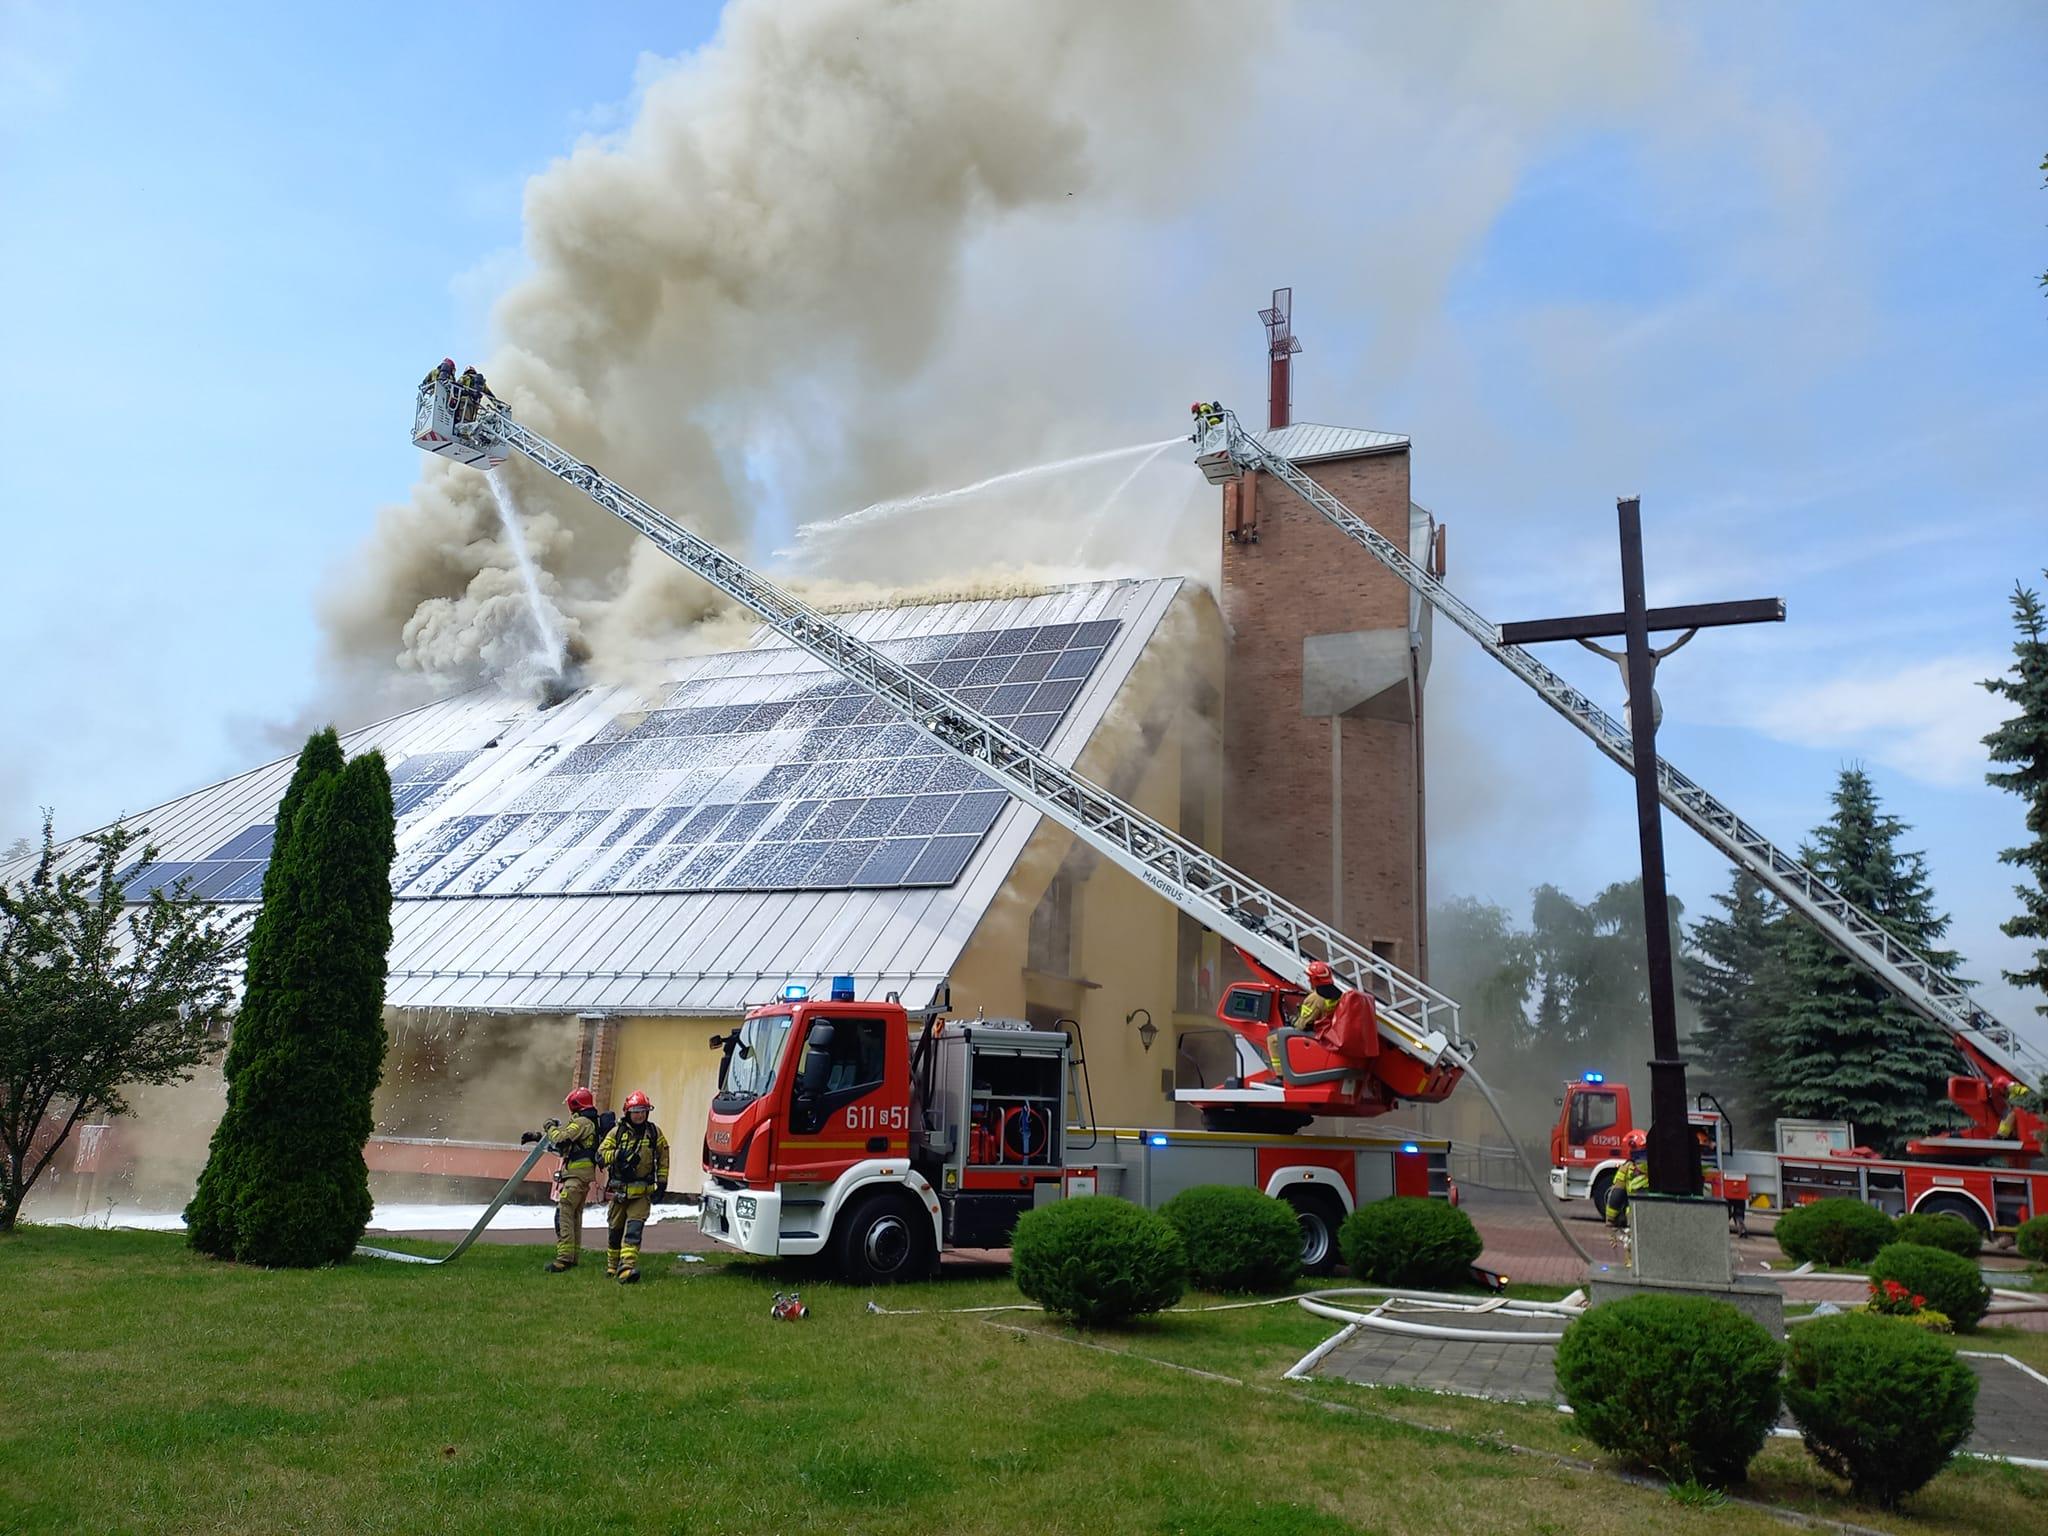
[857, 250]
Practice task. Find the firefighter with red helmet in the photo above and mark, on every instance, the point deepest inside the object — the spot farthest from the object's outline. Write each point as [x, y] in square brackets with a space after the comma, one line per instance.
[1630, 1179]
[575, 1141]
[1323, 995]
[635, 1157]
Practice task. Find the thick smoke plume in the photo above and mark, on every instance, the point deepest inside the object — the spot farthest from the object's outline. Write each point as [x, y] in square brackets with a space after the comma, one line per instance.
[780, 234]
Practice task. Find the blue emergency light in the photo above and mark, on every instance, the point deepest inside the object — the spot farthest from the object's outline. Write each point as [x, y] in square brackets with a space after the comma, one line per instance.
[842, 989]
[1594, 1077]
[1156, 1139]
[1409, 1146]
[795, 992]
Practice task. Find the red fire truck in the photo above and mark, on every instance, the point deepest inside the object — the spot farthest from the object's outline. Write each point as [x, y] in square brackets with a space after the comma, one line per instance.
[1588, 1146]
[841, 1129]
[1988, 1170]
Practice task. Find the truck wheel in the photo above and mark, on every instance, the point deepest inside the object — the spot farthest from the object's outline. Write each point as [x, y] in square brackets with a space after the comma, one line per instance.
[1320, 1215]
[882, 1240]
[1602, 1183]
[1954, 1205]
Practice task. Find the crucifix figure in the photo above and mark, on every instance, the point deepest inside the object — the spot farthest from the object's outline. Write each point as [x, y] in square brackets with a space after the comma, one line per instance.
[1674, 1154]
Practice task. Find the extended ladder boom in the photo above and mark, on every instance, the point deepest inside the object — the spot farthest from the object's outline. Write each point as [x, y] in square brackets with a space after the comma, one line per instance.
[1225, 446]
[1416, 1017]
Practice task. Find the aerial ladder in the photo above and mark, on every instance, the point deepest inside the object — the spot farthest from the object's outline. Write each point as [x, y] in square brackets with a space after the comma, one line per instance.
[1428, 1054]
[1223, 450]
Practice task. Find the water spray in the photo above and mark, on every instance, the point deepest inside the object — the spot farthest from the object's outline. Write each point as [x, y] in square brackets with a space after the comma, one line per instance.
[881, 511]
[551, 650]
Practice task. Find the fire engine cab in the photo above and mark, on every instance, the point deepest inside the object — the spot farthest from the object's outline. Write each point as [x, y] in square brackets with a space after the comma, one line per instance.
[1588, 1146]
[840, 1129]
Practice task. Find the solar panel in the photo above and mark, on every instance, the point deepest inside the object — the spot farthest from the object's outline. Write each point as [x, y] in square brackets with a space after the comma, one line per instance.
[763, 771]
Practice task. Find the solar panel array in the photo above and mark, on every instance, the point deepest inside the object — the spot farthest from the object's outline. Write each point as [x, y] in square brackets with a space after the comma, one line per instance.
[234, 870]
[761, 770]
[765, 771]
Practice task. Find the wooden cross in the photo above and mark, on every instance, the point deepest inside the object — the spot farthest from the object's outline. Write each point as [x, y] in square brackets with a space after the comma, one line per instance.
[1674, 1154]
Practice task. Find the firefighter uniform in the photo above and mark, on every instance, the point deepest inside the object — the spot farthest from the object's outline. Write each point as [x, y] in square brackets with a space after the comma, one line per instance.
[636, 1165]
[1313, 1007]
[575, 1139]
[1630, 1180]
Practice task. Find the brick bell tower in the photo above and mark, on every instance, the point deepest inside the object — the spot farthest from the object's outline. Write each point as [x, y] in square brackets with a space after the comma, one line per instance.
[1323, 678]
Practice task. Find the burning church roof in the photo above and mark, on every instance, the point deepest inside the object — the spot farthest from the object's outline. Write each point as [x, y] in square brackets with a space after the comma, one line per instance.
[762, 820]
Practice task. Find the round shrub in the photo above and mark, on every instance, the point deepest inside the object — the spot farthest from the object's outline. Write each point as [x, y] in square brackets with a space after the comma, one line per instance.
[2031, 1238]
[1939, 1229]
[1833, 1232]
[1880, 1404]
[1237, 1238]
[1682, 1385]
[1951, 1284]
[1097, 1259]
[1409, 1241]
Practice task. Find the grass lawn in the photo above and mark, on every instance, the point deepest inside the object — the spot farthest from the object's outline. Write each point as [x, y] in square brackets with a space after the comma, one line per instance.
[154, 1391]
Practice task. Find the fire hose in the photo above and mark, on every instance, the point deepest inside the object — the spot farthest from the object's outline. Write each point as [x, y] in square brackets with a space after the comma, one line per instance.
[540, 1149]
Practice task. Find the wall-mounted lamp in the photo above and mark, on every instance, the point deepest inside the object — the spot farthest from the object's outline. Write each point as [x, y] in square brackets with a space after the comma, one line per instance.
[1147, 1031]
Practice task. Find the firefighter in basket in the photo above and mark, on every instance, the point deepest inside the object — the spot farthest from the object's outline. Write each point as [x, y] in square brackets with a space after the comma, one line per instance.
[575, 1141]
[1630, 1179]
[470, 393]
[635, 1157]
[1323, 996]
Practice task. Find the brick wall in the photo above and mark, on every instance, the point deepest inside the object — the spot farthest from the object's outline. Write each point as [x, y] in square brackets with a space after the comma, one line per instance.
[1304, 578]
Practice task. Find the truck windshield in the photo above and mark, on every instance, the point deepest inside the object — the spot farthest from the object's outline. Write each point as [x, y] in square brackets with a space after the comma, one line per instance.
[756, 1057]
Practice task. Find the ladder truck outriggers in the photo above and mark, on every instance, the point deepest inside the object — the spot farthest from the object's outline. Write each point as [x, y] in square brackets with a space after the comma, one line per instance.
[1989, 1170]
[833, 1133]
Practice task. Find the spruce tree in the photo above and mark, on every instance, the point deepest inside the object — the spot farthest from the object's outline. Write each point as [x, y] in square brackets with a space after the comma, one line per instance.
[209, 1218]
[299, 1107]
[1846, 1048]
[1730, 965]
[2022, 745]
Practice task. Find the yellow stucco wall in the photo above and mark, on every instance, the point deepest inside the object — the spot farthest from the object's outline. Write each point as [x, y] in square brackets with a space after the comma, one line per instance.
[1126, 936]
[671, 1061]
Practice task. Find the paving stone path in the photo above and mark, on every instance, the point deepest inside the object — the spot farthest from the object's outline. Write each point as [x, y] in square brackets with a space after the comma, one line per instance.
[2012, 1402]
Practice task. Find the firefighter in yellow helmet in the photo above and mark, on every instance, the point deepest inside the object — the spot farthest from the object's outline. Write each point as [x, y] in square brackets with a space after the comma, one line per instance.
[575, 1141]
[635, 1156]
[2018, 1097]
[1630, 1179]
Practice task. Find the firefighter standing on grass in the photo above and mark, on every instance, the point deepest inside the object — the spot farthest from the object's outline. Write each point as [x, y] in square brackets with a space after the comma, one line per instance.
[575, 1140]
[635, 1156]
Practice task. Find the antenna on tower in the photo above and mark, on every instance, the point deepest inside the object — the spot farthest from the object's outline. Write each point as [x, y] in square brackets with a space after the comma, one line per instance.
[1281, 345]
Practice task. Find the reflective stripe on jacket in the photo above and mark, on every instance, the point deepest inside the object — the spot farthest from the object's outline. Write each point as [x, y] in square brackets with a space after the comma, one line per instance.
[636, 1159]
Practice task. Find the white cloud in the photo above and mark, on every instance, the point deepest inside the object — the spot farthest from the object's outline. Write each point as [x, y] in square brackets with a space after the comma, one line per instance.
[1927, 720]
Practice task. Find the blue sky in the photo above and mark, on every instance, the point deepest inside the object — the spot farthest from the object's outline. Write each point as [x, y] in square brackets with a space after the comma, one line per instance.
[1772, 268]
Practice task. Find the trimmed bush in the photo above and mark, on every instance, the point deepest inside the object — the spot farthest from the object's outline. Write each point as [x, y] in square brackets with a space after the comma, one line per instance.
[1409, 1241]
[1682, 1385]
[1951, 1284]
[1096, 1259]
[2031, 1238]
[1880, 1404]
[1833, 1232]
[1237, 1238]
[1939, 1229]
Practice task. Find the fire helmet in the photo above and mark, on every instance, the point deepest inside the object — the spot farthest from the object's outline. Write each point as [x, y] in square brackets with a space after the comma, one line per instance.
[447, 365]
[1636, 1141]
[581, 1098]
[1319, 973]
[637, 1100]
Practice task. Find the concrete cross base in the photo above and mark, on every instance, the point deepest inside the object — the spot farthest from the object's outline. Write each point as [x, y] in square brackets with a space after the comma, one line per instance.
[1679, 1237]
[1757, 1297]
[1679, 1247]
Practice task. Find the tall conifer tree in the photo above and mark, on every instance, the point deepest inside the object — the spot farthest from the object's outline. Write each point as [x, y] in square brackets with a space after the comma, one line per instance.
[2021, 744]
[295, 1190]
[1731, 976]
[1847, 1049]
